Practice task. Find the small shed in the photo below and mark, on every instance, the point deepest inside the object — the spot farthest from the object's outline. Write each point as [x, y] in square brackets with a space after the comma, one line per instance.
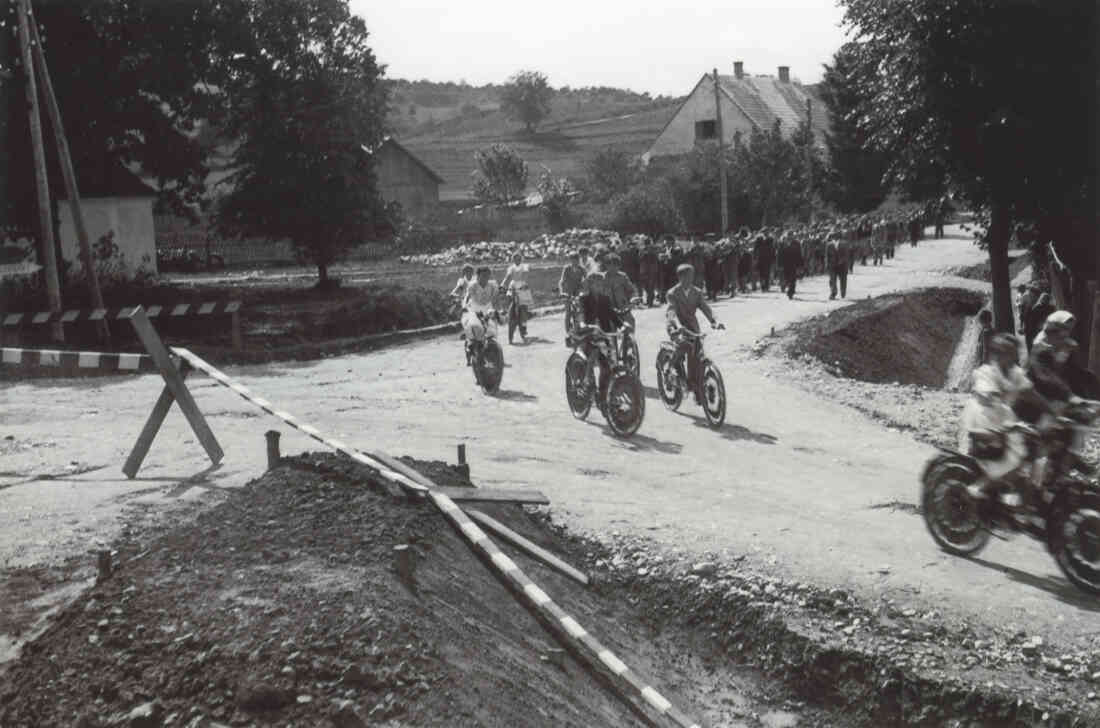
[113, 200]
[403, 178]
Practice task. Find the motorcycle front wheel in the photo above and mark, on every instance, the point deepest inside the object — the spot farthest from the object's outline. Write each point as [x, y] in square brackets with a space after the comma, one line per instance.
[668, 387]
[714, 395]
[1073, 537]
[574, 379]
[950, 513]
[632, 359]
[624, 406]
[490, 366]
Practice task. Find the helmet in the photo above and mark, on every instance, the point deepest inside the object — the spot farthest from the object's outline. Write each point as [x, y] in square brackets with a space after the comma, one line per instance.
[1059, 321]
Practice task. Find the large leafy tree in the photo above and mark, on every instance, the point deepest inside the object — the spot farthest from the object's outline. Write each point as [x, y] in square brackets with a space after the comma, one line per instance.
[306, 104]
[526, 97]
[769, 171]
[501, 175]
[132, 79]
[995, 92]
[857, 181]
[646, 208]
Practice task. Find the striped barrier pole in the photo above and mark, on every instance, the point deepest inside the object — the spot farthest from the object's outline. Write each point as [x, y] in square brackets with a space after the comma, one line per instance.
[77, 360]
[566, 626]
[121, 313]
[387, 472]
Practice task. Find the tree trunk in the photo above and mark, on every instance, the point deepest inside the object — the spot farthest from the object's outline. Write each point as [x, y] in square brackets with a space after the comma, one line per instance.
[999, 231]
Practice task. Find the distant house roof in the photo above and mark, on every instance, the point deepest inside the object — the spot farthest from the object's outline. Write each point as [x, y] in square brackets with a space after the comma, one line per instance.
[390, 141]
[765, 99]
[109, 178]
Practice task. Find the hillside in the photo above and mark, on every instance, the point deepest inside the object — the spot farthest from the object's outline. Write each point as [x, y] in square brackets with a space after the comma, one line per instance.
[452, 121]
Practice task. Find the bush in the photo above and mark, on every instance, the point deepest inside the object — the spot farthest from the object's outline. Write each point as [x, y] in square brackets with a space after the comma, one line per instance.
[648, 208]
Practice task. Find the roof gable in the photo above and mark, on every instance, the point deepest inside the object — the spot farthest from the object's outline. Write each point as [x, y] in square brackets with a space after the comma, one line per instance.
[391, 142]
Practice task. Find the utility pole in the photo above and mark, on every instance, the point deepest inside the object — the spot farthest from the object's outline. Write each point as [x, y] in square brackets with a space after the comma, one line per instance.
[7, 63]
[45, 222]
[721, 157]
[68, 173]
[810, 156]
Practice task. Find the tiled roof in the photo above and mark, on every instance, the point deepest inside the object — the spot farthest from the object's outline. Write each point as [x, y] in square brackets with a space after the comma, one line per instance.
[765, 99]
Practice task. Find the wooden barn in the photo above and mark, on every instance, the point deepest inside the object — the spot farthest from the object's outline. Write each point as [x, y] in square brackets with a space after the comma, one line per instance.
[747, 102]
[405, 179]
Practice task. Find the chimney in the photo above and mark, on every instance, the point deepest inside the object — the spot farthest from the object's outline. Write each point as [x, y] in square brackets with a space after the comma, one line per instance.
[785, 74]
[739, 69]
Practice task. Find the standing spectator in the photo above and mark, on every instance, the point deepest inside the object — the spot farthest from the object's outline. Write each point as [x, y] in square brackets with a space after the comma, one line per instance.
[649, 270]
[631, 261]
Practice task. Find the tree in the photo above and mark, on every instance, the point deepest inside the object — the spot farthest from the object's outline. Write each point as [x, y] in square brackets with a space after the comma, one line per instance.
[769, 171]
[611, 171]
[647, 208]
[995, 92]
[307, 105]
[501, 175]
[557, 197]
[525, 97]
[858, 170]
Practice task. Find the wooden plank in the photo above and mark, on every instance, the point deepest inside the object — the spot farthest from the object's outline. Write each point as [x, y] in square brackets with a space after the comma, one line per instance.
[156, 349]
[402, 468]
[528, 547]
[152, 427]
[492, 495]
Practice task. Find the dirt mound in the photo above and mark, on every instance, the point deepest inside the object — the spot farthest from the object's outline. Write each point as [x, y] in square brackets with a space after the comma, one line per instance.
[907, 339]
[982, 271]
[281, 606]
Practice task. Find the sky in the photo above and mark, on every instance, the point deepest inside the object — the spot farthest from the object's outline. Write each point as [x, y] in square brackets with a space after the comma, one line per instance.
[659, 46]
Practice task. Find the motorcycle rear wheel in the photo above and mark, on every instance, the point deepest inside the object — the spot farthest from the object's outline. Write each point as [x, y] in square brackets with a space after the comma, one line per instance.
[714, 395]
[1074, 539]
[624, 406]
[574, 379]
[668, 387]
[489, 366]
[950, 513]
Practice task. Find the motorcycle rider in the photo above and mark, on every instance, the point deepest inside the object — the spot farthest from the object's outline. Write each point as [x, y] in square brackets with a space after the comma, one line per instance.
[515, 282]
[598, 310]
[570, 285]
[684, 300]
[984, 435]
[620, 289]
[458, 293]
[481, 298]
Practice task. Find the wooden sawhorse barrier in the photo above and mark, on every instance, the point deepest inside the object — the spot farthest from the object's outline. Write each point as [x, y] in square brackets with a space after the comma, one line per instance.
[157, 358]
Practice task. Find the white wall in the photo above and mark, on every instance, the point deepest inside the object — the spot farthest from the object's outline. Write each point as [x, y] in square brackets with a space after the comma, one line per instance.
[131, 219]
[679, 136]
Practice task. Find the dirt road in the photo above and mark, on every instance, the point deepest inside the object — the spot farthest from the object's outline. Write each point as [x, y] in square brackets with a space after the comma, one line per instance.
[792, 481]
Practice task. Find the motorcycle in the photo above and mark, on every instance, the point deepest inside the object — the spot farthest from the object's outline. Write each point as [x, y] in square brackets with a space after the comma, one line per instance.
[519, 307]
[672, 384]
[1064, 513]
[484, 355]
[619, 393]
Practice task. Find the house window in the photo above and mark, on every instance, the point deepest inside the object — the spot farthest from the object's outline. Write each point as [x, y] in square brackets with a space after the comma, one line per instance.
[706, 130]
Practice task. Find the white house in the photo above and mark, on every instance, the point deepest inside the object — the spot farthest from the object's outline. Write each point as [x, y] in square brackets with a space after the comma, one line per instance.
[112, 200]
[747, 102]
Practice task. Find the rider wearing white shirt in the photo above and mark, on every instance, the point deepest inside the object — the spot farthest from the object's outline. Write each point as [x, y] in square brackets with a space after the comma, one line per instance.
[481, 297]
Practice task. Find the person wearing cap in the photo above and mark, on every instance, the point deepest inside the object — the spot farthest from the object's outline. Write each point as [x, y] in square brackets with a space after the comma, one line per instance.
[996, 386]
[684, 300]
[570, 284]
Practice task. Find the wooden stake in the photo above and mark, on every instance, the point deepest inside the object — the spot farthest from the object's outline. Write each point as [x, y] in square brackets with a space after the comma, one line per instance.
[273, 456]
[45, 220]
[527, 546]
[69, 175]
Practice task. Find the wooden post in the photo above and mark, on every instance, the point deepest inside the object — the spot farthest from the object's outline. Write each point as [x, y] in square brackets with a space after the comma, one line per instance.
[273, 456]
[235, 325]
[724, 193]
[462, 454]
[69, 175]
[45, 221]
[175, 390]
[1094, 349]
